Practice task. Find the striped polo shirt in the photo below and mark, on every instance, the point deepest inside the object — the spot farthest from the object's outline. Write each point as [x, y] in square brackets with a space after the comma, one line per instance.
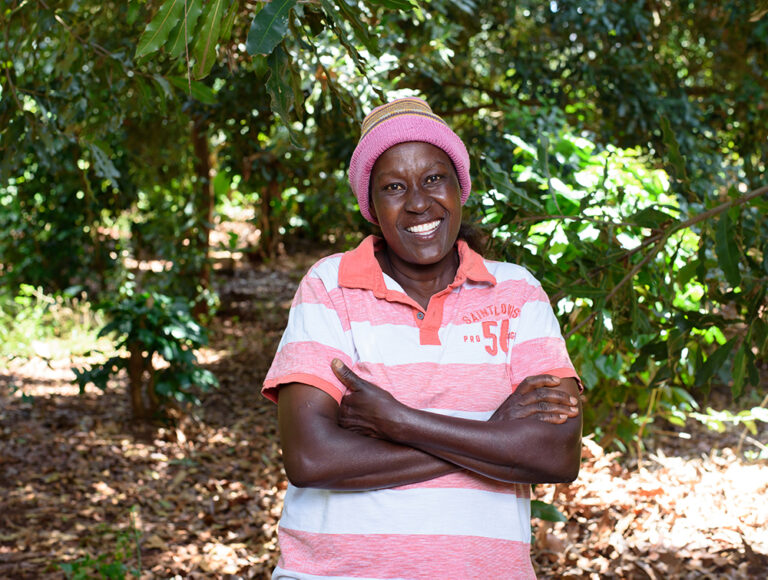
[462, 356]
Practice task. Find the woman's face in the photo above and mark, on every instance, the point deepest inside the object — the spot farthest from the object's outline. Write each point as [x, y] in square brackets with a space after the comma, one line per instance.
[417, 201]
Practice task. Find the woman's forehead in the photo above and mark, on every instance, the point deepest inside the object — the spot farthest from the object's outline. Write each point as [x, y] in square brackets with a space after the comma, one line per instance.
[414, 155]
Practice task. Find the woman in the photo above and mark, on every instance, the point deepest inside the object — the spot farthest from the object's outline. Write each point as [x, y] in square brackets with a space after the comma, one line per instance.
[420, 388]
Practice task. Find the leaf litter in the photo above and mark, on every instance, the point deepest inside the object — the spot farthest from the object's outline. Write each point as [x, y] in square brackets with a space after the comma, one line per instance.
[205, 494]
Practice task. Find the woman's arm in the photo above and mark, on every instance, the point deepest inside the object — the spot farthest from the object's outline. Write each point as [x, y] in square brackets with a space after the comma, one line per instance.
[529, 439]
[317, 452]
[541, 453]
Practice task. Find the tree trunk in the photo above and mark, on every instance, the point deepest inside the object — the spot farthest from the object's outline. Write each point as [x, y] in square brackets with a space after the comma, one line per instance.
[270, 235]
[204, 206]
[136, 382]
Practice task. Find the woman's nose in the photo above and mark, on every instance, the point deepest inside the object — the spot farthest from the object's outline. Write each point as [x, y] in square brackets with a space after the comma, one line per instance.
[417, 200]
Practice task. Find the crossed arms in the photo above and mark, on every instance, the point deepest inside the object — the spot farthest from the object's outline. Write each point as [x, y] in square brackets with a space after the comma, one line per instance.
[372, 441]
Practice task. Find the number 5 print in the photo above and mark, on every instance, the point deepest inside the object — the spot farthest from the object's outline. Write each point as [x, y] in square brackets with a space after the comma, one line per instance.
[489, 326]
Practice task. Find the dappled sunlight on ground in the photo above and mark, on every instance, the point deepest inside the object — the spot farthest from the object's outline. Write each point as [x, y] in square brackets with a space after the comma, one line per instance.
[671, 518]
[207, 496]
[204, 494]
[42, 376]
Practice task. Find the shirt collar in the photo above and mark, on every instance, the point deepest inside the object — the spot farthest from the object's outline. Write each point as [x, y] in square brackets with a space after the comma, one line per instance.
[359, 268]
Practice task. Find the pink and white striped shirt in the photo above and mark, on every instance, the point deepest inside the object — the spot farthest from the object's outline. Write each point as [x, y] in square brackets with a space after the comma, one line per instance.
[477, 340]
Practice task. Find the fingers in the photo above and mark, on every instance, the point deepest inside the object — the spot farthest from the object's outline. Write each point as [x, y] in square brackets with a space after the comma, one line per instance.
[555, 412]
[535, 396]
[538, 381]
[547, 399]
[547, 402]
[548, 411]
[558, 419]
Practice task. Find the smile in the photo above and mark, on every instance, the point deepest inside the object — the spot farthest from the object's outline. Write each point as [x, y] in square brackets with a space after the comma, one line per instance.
[424, 228]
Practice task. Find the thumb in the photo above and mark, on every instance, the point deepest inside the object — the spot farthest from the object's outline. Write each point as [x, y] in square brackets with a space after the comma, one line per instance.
[344, 374]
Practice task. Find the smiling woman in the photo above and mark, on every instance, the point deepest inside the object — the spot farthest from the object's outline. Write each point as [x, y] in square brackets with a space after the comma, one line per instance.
[411, 425]
[417, 203]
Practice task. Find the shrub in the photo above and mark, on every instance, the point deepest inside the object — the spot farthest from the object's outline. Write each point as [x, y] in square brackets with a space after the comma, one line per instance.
[153, 327]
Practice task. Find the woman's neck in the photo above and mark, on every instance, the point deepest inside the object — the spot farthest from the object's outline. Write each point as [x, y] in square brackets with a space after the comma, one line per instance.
[419, 281]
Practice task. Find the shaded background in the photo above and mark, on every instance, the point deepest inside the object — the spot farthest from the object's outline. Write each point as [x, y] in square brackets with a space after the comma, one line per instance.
[168, 170]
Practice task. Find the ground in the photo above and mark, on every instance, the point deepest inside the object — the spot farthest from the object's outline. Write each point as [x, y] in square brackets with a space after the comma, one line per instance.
[83, 487]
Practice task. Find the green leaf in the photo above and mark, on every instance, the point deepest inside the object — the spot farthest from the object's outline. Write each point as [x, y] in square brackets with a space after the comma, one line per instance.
[200, 92]
[221, 184]
[157, 31]
[280, 91]
[663, 374]
[269, 27]
[164, 85]
[727, 250]
[675, 158]
[102, 162]
[229, 21]
[467, 6]
[179, 39]
[361, 30]
[650, 218]
[558, 203]
[546, 512]
[675, 343]
[760, 336]
[701, 269]
[132, 13]
[336, 24]
[739, 370]
[714, 362]
[609, 367]
[501, 182]
[394, 4]
[687, 272]
[298, 94]
[205, 43]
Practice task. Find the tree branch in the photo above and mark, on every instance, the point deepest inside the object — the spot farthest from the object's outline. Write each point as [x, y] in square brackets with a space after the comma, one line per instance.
[661, 240]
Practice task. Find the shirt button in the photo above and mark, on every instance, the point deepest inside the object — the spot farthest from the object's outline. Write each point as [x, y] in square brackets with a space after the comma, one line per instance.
[420, 316]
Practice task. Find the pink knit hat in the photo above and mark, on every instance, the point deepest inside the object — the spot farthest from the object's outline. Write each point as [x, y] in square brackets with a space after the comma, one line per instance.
[401, 121]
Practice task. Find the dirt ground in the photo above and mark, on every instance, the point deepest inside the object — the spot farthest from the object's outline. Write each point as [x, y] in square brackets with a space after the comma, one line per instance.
[202, 500]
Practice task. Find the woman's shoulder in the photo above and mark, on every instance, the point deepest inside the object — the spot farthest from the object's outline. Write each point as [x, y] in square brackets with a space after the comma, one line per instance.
[330, 265]
[509, 272]
[326, 268]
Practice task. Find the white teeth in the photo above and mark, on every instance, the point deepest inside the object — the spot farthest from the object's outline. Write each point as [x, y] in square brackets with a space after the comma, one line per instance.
[422, 228]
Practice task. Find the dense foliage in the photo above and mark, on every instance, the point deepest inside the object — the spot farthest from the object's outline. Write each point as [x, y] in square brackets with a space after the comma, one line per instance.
[619, 152]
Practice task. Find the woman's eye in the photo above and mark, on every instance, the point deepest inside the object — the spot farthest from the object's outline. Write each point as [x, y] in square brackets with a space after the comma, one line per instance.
[392, 187]
[434, 178]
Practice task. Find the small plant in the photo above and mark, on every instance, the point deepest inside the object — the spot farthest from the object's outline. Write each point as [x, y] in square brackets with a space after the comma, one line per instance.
[114, 565]
[25, 397]
[717, 420]
[33, 323]
[546, 511]
[157, 335]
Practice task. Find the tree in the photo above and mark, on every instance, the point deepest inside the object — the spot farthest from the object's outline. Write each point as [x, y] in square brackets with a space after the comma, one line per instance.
[618, 151]
[524, 83]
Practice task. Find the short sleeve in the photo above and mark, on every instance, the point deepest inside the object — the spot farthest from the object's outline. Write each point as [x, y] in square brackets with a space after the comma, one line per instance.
[317, 332]
[539, 347]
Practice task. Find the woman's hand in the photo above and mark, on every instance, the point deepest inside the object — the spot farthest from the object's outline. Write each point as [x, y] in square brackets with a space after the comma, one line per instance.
[536, 395]
[365, 409]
